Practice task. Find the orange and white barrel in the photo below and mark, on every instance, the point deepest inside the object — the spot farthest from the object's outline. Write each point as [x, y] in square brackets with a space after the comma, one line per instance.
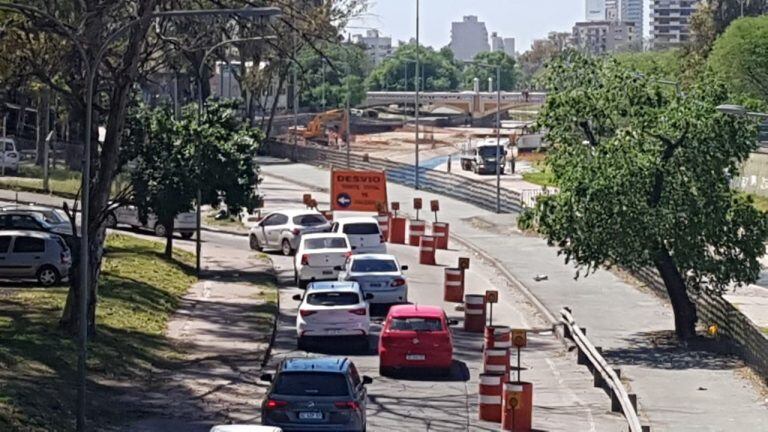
[496, 360]
[491, 390]
[474, 313]
[441, 231]
[397, 230]
[454, 285]
[498, 337]
[416, 229]
[383, 220]
[517, 407]
[427, 250]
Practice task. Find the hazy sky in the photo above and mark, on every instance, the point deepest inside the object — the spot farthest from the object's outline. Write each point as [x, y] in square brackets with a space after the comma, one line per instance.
[525, 20]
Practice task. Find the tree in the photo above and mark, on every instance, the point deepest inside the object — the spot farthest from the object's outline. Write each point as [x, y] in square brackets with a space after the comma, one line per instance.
[740, 57]
[508, 71]
[438, 71]
[541, 52]
[712, 18]
[667, 64]
[326, 75]
[643, 176]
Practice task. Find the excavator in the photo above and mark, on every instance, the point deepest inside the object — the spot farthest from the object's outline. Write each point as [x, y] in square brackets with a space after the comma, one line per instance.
[317, 127]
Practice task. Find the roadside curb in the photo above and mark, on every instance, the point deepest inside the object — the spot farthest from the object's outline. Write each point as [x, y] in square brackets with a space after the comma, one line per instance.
[223, 231]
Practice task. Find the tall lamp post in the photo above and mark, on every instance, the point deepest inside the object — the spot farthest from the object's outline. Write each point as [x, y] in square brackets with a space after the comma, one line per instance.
[418, 101]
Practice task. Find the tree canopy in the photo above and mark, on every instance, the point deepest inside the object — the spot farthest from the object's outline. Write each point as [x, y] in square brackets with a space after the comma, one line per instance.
[438, 69]
[643, 173]
[326, 75]
[740, 57]
[508, 71]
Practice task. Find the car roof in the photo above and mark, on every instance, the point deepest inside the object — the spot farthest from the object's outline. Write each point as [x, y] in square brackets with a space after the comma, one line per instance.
[297, 212]
[245, 428]
[323, 235]
[333, 286]
[28, 233]
[316, 364]
[415, 310]
[383, 257]
[357, 219]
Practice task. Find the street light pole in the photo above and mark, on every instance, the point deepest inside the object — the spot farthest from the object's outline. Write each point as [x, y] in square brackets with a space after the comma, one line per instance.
[346, 115]
[418, 102]
[498, 138]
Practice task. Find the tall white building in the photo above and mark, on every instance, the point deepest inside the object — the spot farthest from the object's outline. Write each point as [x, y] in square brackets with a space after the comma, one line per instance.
[670, 21]
[601, 37]
[594, 10]
[497, 42]
[632, 11]
[509, 47]
[612, 10]
[468, 38]
[378, 47]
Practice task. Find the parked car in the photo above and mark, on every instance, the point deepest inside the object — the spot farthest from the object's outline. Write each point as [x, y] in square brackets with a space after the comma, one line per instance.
[185, 223]
[283, 229]
[377, 274]
[9, 158]
[333, 309]
[364, 234]
[316, 394]
[34, 221]
[416, 336]
[56, 219]
[318, 255]
[26, 254]
[244, 428]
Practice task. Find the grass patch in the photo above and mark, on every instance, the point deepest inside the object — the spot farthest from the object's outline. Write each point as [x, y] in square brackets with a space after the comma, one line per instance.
[138, 291]
[542, 176]
[229, 222]
[760, 202]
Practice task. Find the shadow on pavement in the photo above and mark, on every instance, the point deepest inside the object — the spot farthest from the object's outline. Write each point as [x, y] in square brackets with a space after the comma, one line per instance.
[459, 373]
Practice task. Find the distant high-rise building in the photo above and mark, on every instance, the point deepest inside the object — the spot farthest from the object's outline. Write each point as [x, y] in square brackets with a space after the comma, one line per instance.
[601, 37]
[612, 10]
[378, 47]
[509, 47]
[497, 43]
[632, 11]
[468, 38]
[670, 20]
[594, 10]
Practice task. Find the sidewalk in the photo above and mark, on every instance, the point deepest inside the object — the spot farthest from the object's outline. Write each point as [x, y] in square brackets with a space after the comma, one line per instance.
[678, 389]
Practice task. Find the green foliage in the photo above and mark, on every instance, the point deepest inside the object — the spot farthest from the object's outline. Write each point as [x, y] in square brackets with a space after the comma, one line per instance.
[438, 69]
[642, 175]
[740, 57]
[329, 75]
[667, 64]
[508, 71]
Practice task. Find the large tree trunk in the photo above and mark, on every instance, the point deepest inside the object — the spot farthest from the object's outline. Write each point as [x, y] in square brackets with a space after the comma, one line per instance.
[168, 238]
[682, 306]
[273, 109]
[42, 125]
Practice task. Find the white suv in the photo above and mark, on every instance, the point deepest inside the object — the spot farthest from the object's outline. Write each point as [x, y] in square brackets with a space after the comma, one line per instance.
[9, 156]
[364, 234]
[318, 255]
[283, 229]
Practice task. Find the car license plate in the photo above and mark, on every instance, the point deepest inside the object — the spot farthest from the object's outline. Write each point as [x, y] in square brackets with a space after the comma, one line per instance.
[375, 285]
[310, 415]
[327, 272]
[334, 331]
[414, 357]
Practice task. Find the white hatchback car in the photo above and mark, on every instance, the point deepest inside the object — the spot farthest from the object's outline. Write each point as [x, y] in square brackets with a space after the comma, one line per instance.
[318, 255]
[378, 274]
[283, 229]
[333, 309]
[364, 234]
[9, 156]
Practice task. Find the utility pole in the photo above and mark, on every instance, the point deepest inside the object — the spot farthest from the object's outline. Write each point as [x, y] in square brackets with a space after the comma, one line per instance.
[498, 138]
[347, 114]
[2, 151]
[416, 165]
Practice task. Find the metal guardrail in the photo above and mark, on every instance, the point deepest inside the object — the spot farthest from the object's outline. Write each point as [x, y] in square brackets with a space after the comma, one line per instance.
[455, 186]
[605, 377]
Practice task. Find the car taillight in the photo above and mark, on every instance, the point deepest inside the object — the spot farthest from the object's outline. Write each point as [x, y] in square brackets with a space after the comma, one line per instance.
[296, 231]
[64, 258]
[272, 403]
[352, 405]
[347, 254]
[306, 313]
[305, 260]
[397, 282]
[360, 311]
[381, 237]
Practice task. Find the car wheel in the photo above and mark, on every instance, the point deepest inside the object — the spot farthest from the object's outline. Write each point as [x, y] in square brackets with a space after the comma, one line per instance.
[385, 371]
[286, 248]
[48, 276]
[111, 221]
[187, 235]
[253, 241]
[363, 345]
[302, 343]
[160, 230]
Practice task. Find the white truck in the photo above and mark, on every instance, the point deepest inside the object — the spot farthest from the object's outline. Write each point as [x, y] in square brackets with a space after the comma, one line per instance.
[480, 156]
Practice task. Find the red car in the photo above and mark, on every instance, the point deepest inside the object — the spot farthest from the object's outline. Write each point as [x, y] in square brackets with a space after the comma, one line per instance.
[416, 336]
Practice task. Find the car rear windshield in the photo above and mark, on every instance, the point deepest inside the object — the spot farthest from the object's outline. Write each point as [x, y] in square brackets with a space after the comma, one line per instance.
[309, 220]
[373, 265]
[361, 228]
[326, 243]
[311, 384]
[416, 324]
[333, 299]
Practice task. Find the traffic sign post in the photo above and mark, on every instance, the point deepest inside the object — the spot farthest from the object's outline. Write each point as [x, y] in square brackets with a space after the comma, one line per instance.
[435, 206]
[395, 207]
[519, 340]
[307, 199]
[491, 297]
[417, 206]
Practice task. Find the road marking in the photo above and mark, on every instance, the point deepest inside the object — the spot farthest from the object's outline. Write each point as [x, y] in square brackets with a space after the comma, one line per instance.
[556, 373]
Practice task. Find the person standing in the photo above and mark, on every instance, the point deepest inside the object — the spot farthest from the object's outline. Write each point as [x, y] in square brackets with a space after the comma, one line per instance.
[512, 153]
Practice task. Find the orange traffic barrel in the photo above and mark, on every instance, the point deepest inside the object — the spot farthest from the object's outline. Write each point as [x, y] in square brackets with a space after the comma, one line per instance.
[383, 220]
[454, 285]
[498, 337]
[441, 231]
[474, 313]
[517, 407]
[417, 229]
[397, 230]
[427, 250]
[496, 360]
[491, 390]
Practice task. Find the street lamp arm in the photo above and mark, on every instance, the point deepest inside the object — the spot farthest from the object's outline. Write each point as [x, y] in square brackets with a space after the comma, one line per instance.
[227, 42]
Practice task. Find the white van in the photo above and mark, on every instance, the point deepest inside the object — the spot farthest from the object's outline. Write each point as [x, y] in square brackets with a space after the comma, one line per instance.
[9, 156]
[363, 233]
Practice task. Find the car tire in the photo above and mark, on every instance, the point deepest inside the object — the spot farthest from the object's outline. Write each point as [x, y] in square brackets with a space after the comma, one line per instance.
[363, 346]
[187, 235]
[285, 248]
[253, 242]
[301, 343]
[385, 371]
[160, 230]
[48, 276]
[111, 221]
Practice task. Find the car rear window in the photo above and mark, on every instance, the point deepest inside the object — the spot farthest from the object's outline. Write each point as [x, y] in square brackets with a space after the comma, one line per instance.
[326, 243]
[416, 324]
[374, 265]
[29, 244]
[309, 220]
[361, 228]
[333, 299]
[311, 384]
[5, 241]
[9, 146]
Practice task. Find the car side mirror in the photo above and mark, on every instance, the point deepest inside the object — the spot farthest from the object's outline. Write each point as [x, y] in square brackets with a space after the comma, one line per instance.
[338, 268]
[297, 297]
[403, 268]
[367, 380]
[453, 322]
[369, 296]
[266, 377]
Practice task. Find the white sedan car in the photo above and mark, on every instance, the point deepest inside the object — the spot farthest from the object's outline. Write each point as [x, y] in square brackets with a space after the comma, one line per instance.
[333, 309]
[378, 274]
[318, 255]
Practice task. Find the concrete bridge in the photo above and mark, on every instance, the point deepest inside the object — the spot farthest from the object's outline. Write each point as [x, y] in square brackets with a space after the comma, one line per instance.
[479, 104]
